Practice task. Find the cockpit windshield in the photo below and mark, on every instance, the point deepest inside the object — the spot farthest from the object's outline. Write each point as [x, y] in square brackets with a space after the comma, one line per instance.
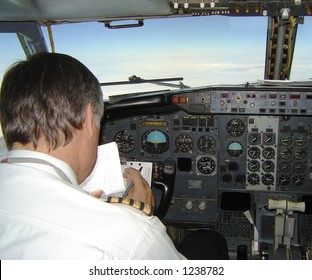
[212, 97]
[202, 50]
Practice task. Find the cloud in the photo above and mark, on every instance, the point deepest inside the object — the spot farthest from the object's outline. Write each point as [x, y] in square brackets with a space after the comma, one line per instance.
[195, 73]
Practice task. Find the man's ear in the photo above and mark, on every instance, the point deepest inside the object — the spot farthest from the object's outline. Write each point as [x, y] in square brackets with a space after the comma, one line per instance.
[88, 122]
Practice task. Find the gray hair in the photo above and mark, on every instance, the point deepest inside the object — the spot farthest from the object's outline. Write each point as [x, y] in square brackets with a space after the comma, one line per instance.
[47, 95]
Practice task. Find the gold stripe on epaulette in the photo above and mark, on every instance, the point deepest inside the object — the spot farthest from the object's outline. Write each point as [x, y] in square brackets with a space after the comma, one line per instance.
[145, 208]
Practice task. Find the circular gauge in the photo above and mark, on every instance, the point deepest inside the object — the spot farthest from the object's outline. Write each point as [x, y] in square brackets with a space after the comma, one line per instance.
[254, 166]
[254, 152]
[268, 166]
[253, 179]
[240, 178]
[286, 139]
[206, 165]
[235, 149]
[300, 140]
[299, 153]
[284, 166]
[233, 166]
[155, 141]
[298, 180]
[206, 143]
[268, 153]
[184, 143]
[125, 141]
[299, 167]
[235, 127]
[284, 180]
[226, 178]
[254, 138]
[269, 139]
[267, 179]
[285, 153]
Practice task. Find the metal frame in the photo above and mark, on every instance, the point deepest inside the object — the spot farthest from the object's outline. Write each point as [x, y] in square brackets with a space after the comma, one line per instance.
[29, 34]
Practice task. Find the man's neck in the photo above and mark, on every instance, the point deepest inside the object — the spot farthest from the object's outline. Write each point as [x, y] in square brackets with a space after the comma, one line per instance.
[64, 153]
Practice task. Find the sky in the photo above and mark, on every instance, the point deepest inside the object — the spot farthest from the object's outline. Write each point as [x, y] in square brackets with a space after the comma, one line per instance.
[203, 50]
[191, 48]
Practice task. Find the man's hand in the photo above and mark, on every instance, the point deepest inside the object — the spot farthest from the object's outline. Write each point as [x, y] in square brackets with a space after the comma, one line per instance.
[97, 193]
[141, 191]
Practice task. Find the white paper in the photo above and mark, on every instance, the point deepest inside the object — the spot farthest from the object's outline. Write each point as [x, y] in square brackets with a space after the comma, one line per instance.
[108, 170]
[107, 173]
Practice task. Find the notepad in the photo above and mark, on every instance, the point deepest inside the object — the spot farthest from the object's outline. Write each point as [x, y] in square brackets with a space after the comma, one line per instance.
[108, 170]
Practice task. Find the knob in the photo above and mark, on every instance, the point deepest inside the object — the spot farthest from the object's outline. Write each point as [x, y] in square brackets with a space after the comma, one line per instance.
[189, 205]
[202, 206]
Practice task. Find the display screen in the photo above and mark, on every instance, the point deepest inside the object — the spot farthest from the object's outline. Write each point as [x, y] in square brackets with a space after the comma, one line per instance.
[235, 201]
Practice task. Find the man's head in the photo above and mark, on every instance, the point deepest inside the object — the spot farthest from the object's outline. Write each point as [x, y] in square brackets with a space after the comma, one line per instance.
[46, 96]
[45, 99]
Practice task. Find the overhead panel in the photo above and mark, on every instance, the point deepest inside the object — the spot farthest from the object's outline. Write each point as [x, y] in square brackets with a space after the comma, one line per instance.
[242, 8]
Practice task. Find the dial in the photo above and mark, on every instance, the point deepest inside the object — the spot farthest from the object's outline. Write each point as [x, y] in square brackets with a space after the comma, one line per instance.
[240, 178]
[155, 141]
[125, 141]
[254, 152]
[235, 127]
[284, 166]
[298, 180]
[269, 139]
[285, 153]
[268, 153]
[184, 143]
[300, 140]
[284, 180]
[267, 179]
[299, 153]
[235, 149]
[226, 177]
[254, 138]
[286, 139]
[253, 179]
[233, 166]
[206, 143]
[254, 166]
[268, 166]
[299, 167]
[206, 165]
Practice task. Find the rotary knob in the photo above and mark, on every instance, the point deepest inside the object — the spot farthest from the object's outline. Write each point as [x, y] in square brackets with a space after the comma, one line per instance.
[202, 206]
[189, 205]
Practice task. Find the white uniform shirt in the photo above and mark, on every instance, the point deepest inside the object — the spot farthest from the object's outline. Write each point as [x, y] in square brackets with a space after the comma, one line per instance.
[44, 217]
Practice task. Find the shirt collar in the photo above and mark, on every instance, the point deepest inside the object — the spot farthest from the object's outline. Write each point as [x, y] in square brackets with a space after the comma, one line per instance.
[69, 172]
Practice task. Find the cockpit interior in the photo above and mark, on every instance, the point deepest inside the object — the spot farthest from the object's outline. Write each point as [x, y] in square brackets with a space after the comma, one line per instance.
[233, 158]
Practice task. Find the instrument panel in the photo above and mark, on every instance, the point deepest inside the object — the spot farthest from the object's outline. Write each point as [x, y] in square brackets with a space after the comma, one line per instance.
[268, 153]
[233, 153]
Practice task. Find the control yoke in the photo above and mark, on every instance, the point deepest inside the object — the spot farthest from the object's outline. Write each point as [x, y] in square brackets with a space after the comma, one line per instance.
[166, 188]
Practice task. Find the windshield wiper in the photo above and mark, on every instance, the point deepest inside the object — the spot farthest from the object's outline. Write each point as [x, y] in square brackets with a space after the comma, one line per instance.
[138, 80]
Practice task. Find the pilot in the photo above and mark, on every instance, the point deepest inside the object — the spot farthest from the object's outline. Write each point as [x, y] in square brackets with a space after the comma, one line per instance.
[51, 106]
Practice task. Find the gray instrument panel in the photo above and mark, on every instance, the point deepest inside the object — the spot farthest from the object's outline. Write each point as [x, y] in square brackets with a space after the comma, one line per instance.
[271, 101]
[223, 140]
[234, 150]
